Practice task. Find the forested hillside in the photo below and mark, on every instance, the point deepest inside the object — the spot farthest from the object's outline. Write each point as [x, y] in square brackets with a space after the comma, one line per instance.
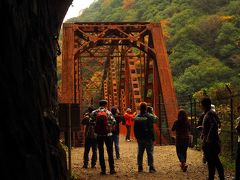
[203, 37]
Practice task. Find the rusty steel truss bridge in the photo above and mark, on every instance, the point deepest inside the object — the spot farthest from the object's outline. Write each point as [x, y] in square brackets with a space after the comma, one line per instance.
[124, 63]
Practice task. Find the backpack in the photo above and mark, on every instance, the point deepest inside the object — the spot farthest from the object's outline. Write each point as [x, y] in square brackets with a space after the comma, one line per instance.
[143, 127]
[102, 127]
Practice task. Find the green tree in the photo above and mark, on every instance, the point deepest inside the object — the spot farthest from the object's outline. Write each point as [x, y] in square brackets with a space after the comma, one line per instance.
[227, 43]
[209, 6]
[203, 36]
[205, 74]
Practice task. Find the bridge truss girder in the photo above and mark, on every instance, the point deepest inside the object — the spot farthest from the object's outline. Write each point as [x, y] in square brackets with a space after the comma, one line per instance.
[135, 68]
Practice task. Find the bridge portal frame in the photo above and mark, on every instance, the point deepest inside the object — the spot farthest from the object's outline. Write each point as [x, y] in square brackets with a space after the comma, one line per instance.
[99, 40]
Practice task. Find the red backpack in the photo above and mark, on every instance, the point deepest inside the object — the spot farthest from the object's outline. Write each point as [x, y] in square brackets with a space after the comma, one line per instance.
[101, 127]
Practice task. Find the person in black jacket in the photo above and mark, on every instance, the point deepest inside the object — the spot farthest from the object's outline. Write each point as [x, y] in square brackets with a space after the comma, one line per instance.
[90, 139]
[211, 142]
[144, 133]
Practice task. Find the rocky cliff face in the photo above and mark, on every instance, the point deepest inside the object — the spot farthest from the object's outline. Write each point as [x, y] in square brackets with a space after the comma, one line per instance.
[28, 88]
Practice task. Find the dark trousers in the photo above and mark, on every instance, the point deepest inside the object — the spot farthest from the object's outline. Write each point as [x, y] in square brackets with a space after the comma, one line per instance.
[90, 143]
[142, 145]
[128, 132]
[116, 144]
[182, 152]
[237, 168]
[211, 154]
[108, 140]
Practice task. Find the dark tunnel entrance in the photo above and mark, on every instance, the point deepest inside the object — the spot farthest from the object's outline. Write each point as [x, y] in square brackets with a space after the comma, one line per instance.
[28, 85]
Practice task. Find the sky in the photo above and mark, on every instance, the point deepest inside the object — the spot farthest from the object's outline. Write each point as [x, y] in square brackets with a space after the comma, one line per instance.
[76, 7]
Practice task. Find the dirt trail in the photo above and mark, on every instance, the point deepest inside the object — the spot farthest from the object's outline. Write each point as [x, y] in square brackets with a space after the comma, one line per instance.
[165, 160]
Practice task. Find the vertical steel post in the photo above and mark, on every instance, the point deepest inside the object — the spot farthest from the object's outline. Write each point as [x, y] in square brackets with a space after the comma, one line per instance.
[191, 108]
[231, 106]
[195, 119]
[191, 111]
[231, 117]
[69, 141]
[160, 120]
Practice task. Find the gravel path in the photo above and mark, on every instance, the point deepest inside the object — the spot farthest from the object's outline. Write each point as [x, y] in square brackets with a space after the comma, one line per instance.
[165, 160]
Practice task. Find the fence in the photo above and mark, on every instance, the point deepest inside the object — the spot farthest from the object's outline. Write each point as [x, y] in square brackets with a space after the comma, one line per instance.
[226, 109]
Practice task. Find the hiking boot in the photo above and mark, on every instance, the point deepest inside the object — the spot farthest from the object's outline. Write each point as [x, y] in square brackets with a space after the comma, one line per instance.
[103, 173]
[185, 168]
[113, 171]
[140, 169]
[182, 164]
[152, 169]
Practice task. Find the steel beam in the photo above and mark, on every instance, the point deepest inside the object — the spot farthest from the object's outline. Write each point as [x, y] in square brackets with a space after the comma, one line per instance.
[101, 45]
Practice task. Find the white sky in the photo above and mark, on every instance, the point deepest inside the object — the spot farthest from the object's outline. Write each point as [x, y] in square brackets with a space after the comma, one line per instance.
[76, 7]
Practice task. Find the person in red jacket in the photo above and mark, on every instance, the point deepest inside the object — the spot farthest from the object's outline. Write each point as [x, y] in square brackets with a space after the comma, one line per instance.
[128, 116]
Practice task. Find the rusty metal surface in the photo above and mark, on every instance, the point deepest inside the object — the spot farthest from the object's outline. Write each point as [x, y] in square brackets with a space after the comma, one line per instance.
[67, 64]
[168, 94]
[134, 64]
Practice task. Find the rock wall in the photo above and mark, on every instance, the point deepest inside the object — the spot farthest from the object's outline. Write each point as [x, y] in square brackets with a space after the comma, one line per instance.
[29, 140]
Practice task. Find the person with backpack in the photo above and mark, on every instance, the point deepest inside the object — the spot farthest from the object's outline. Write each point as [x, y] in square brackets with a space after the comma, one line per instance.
[104, 125]
[119, 118]
[144, 133]
[128, 116]
[182, 128]
[211, 141]
[90, 139]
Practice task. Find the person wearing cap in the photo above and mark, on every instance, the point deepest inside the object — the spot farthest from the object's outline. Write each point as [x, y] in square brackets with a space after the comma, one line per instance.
[144, 133]
[128, 116]
[105, 139]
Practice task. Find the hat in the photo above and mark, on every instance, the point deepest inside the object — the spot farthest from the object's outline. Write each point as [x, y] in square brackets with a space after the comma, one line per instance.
[128, 110]
[103, 102]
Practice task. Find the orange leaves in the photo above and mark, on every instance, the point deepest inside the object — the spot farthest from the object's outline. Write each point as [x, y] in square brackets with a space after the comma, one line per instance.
[128, 3]
[226, 18]
[165, 24]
